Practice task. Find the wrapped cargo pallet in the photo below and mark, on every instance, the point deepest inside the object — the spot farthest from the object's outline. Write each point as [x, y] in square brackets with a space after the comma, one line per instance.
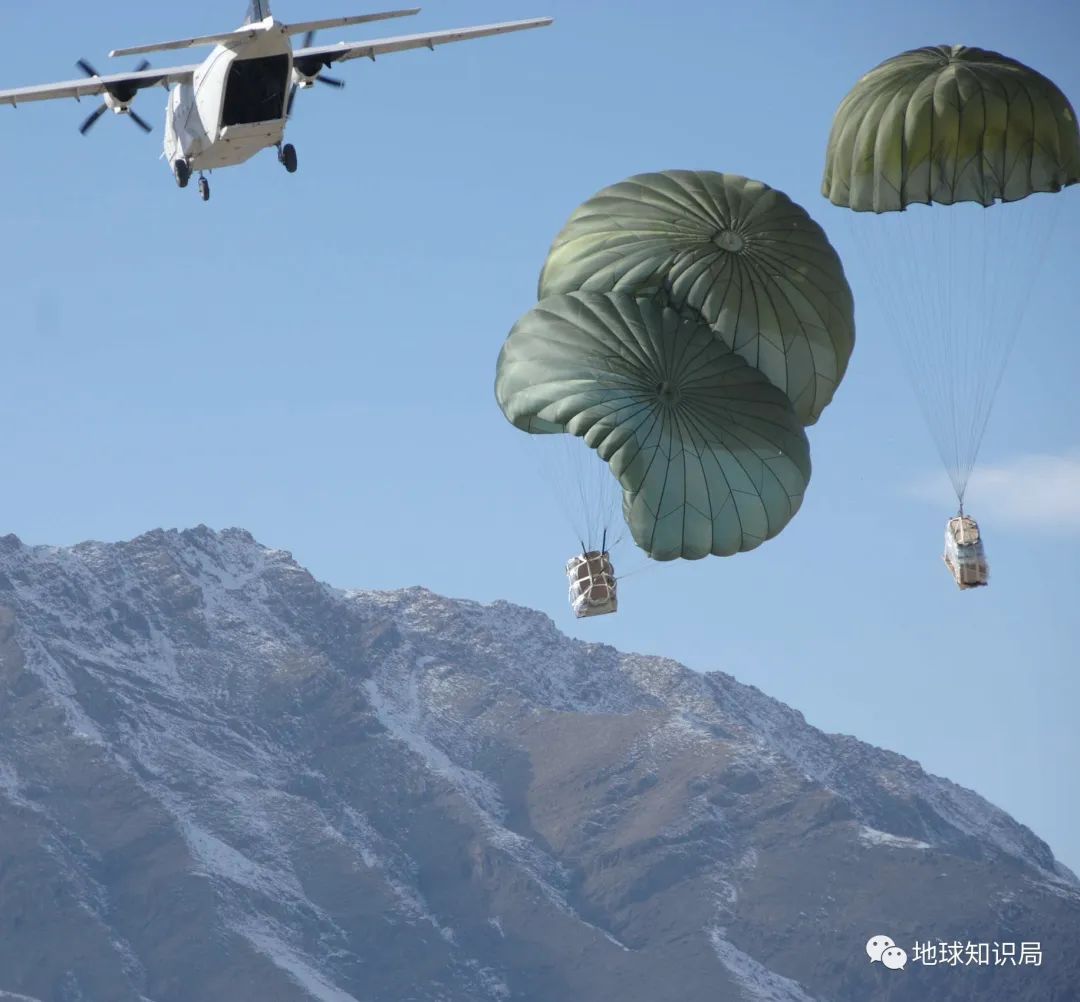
[592, 584]
[964, 553]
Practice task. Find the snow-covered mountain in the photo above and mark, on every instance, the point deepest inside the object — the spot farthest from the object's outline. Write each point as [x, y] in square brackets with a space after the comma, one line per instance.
[223, 780]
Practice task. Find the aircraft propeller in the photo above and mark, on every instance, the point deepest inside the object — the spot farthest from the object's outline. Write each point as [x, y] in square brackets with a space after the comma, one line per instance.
[118, 97]
[309, 69]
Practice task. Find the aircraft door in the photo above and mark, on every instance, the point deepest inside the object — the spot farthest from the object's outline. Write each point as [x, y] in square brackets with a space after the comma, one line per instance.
[255, 90]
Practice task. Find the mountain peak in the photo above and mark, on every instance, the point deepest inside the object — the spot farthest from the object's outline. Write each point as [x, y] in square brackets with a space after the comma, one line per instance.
[241, 782]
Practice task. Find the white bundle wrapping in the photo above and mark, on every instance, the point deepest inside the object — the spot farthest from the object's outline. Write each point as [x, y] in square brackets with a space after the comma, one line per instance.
[964, 554]
[592, 584]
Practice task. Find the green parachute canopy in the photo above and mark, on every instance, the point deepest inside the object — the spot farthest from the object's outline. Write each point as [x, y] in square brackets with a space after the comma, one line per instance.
[742, 256]
[949, 156]
[712, 458]
[946, 124]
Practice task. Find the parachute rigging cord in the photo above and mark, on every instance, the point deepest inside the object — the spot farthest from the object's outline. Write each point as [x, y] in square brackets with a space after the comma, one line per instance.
[589, 498]
[581, 484]
[954, 282]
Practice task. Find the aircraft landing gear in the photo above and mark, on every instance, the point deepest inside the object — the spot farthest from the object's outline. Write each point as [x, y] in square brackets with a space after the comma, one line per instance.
[204, 188]
[182, 172]
[287, 157]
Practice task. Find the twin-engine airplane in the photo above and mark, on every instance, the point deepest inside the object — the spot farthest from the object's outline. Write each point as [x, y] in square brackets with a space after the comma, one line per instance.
[238, 100]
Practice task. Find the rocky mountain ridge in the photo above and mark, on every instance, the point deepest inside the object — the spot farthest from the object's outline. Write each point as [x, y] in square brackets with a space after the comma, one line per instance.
[222, 779]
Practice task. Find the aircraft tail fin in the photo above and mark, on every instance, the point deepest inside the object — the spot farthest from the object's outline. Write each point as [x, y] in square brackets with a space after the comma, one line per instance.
[258, 10]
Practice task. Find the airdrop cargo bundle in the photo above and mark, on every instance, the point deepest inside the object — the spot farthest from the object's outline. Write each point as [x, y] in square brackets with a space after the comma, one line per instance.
[592, 584]
[964, 553]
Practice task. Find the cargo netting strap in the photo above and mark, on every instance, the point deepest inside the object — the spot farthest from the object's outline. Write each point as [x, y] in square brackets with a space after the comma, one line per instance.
[592, 578]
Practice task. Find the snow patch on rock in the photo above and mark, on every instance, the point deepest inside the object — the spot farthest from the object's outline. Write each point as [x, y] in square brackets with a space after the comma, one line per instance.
[871, 836]
[757, 982]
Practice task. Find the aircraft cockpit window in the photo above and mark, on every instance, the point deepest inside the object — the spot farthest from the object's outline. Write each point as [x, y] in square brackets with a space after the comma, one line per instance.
[256, 91]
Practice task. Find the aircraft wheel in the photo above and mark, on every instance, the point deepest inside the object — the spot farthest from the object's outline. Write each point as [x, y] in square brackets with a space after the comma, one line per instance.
[288, 157]
[182, 172]
[204, 189]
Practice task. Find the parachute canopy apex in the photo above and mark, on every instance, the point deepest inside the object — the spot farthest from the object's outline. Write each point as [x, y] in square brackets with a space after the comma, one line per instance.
[950, 123]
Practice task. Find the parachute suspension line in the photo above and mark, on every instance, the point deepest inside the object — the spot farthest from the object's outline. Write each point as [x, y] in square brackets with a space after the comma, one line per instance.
[1037, 227]
[581, 483]
[954, 283]
[915, 304]
[890, 254]
[1015, 241]
[643, 566]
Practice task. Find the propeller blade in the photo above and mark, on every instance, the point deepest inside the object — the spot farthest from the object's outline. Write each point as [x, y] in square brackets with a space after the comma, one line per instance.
[140, 122]
[308, 39]
[144, 65]
[87, 68]
[330, 81]
[92, 118]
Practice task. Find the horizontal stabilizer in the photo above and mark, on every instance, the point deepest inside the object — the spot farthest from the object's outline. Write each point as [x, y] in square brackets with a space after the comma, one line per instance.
[190, 43]
[303, 27]
[251, 30]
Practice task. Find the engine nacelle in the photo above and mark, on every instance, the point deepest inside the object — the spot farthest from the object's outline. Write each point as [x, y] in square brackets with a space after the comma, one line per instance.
[305, 80]
[117, 105]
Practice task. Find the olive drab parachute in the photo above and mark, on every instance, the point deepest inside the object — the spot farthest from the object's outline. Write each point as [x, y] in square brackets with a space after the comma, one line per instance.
[948, 124]
[741, 255]
[689, 325]
[711, 456]
[950, 157]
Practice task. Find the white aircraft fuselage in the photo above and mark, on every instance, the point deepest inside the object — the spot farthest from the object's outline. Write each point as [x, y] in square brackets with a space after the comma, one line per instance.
[235, 104]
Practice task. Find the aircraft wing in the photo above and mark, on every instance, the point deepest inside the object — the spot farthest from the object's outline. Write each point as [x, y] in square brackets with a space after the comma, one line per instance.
[327, 54]
[89, 86]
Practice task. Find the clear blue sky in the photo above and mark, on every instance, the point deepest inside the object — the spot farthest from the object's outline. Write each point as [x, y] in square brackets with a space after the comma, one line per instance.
[312, 356]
